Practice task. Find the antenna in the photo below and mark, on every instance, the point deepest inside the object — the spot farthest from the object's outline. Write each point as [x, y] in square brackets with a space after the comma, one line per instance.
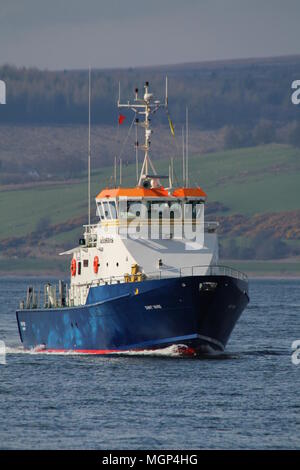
[187, 147]
[89, 153]
[136, 150]
[120, 171]
[144, 106]
[119, 92]
[171, 173]
[166, 98]
[183, 158]
[115, 172]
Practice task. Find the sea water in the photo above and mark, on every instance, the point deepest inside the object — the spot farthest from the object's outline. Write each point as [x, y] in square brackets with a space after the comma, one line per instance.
[246, 398]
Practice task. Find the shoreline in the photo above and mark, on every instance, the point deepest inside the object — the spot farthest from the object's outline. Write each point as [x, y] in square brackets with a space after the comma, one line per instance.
[62, 275]
[57, 268]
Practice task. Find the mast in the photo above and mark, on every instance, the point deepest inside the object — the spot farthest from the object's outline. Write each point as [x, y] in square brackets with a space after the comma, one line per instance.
[166, 93]
[115, 172]
[147, 126]
[120, 171]
[183, 158]
[136, 150]
[89, 153]
[187, 148]
[145, 107]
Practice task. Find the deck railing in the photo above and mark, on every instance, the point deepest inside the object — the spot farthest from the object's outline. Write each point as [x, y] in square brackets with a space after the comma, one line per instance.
[211, 270]
[51, 300]
[126, 223]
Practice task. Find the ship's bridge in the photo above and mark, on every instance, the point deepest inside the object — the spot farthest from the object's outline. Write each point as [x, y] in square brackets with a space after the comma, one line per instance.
[145, 203]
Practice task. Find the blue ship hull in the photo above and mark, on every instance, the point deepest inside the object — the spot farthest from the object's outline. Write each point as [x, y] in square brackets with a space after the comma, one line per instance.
[198, 311]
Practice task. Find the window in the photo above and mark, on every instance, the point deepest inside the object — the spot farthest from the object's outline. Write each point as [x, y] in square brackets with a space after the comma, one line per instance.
[85, 263]
[131, 209]
[192, 209]
[109, 210]
[79, 268]
[112, 209]
[100, 210]
[106, 210]
[164, 209]
[156, 209]
[175, 209]
[134, 208]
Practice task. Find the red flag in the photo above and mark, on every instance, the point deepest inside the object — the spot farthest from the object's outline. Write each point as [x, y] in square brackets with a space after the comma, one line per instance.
[121, 118]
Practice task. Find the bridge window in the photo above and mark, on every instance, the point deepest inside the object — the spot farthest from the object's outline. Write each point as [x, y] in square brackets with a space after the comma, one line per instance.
[112, 209]
[192, 209]
[108, 210]
[131, 209]
[100, 210]
[165, 209]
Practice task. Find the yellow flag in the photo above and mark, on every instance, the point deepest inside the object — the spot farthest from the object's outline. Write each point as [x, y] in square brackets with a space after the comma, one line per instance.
[171, 126]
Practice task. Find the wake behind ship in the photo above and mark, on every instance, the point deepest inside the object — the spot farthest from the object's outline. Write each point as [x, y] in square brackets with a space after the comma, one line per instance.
[146, 276]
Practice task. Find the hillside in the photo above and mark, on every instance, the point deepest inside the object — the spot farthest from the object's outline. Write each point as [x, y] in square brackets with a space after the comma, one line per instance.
[232, 104]
[252, 192]
[51, 153]
[238, 92]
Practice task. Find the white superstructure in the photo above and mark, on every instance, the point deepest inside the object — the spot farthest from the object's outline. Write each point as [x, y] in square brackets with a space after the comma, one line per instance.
[144, 231]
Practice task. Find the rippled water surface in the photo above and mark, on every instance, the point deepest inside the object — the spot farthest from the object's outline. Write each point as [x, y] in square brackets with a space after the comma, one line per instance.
[246, 398]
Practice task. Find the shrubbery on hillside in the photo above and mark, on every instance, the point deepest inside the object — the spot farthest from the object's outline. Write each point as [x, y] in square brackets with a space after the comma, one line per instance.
[229, 93]
[263, 246]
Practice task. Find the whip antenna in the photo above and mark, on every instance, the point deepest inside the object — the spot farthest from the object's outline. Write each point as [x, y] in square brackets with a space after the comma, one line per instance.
[89, 153]
[187, 148]
[166, 98]
[183, 158]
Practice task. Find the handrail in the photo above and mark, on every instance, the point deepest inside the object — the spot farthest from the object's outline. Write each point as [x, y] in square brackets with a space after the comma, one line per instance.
[186, 271]
[125, 222]
[212, 270]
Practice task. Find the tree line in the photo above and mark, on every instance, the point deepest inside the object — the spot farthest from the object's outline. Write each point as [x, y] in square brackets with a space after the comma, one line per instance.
[229, 93]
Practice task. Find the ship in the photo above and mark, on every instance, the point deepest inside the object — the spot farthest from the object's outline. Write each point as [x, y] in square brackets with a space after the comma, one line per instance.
[147, 275]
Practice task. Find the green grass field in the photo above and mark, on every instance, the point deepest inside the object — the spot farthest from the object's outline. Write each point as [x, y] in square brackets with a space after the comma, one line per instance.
[248, 181]
[34, 266]
[253, 180]
[265, 268]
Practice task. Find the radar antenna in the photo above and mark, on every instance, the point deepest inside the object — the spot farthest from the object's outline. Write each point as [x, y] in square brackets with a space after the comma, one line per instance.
[145, 106]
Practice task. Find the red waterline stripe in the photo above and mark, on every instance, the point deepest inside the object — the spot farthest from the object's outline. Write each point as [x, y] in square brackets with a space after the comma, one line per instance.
[83, 351]
[184, 351]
